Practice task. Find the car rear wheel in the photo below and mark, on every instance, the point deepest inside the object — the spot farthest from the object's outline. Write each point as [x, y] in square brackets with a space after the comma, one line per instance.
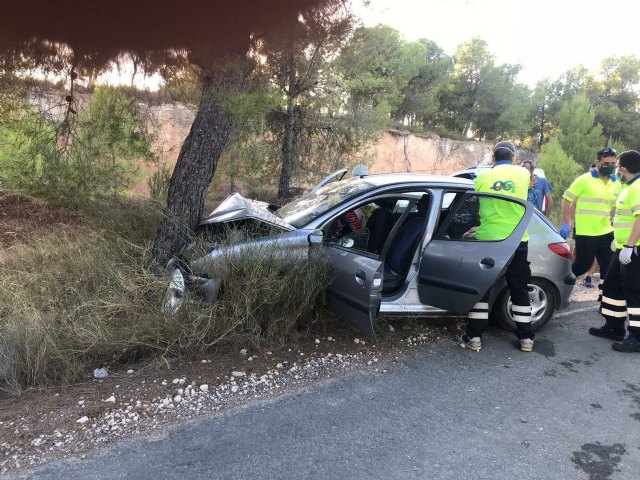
[542, 296]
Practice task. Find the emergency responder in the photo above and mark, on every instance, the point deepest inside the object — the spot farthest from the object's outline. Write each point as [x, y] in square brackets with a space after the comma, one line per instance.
[621, 289]
[592, 196]
[518, 273]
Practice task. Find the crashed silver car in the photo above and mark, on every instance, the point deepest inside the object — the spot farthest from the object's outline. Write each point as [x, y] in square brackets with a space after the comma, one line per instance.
[400, 244]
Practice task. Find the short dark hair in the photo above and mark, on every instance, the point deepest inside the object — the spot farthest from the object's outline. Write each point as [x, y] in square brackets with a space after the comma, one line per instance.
[529, 162]
[630, 160]
[606, 152]
[504, 151]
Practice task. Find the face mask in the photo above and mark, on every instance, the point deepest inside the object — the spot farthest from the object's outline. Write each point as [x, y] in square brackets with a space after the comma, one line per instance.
[606, 170]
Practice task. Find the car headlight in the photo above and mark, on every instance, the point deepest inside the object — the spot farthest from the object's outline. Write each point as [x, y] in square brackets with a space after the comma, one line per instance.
[175, 293]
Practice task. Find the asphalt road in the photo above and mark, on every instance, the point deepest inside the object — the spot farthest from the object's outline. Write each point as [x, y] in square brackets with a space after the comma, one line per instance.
[570, 410]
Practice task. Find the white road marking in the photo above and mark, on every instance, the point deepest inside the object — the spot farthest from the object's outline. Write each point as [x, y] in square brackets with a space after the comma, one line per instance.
[593, 308]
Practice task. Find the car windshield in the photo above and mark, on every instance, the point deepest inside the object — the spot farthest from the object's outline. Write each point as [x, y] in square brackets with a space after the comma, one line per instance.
[311, 205]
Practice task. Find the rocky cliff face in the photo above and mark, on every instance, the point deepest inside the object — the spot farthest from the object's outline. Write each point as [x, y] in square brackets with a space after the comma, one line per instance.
[399, 151]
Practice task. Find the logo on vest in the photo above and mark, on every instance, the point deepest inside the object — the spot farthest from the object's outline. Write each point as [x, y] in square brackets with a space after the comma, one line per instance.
[506, 186]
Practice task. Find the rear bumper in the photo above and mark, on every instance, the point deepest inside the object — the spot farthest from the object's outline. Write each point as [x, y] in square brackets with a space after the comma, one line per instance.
[565, 287]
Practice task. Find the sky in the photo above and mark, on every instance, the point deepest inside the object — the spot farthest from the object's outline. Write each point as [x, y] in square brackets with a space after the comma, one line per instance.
[546, 37]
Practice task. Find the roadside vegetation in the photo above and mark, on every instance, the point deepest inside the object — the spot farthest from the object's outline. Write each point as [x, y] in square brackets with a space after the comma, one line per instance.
[83, 290]
[77, 298]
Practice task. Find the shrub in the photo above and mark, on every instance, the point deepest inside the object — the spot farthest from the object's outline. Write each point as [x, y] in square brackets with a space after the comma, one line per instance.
[88, 155]
[77, 299]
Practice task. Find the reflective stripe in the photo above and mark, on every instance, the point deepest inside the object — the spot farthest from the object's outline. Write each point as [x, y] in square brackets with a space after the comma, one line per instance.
[522, 318]
[600, 213]
[634, 323]
[596, 200]
[613, 301]
[623, 212]
[481, 315]
[480, 306]
[611, 313]
[622, 224]
[635, 208]
[633, 311]
[570, 195]
[521, 309]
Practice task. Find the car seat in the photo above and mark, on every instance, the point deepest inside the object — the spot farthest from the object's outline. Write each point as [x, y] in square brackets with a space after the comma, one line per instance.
[402, 248]
[379, 225]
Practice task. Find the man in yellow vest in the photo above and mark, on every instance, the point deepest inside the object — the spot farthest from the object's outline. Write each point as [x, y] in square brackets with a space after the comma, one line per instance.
[496, 223]
[621, 289]
[592, 196]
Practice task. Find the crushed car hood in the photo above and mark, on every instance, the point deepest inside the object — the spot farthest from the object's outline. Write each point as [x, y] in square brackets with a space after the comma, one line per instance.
[236, 207]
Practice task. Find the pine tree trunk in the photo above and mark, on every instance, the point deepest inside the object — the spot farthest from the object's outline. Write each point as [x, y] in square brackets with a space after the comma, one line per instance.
[287, 144]
[196, 164]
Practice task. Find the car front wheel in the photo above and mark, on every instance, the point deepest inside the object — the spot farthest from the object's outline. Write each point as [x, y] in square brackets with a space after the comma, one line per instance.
[542, 296]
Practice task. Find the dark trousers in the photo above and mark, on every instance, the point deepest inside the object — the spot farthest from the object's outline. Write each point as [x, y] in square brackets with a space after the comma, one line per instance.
[590, 248]
[518, 277]
[621, 295]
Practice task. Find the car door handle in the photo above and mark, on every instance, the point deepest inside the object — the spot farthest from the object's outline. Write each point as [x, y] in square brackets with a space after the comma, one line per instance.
[361, 277]
[487, 262]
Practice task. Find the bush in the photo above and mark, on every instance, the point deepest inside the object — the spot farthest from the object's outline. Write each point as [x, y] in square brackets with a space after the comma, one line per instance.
[559, 168]
[158, 183]
[88, 155]
[77, 299]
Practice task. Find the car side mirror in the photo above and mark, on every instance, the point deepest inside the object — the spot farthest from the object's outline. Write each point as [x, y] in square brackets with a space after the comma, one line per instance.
[316, 237]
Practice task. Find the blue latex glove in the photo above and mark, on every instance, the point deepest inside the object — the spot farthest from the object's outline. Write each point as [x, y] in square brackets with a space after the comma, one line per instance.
[625, 255]
[565, 229]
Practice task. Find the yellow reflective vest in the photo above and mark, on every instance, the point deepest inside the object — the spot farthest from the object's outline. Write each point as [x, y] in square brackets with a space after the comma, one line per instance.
[627, 211]
[595, 200]
[499, 218]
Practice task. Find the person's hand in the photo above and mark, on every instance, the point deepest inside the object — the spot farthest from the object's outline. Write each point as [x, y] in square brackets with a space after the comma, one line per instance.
[565, 229]
[613, 245]
[625, 255]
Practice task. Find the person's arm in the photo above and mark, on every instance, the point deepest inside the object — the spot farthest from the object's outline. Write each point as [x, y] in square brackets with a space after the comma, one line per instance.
[567, 209]
[635, 233]
[548, 204]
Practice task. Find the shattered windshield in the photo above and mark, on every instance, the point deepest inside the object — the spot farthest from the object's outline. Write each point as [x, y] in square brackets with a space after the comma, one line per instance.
[313, 204]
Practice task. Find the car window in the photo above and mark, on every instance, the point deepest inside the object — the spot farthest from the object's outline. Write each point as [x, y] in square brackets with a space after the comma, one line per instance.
[483, 219]
[448, 198]
[313, 204]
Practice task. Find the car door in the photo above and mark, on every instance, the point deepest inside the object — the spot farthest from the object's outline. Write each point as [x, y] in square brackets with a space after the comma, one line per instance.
[356, 290]
[456, 268]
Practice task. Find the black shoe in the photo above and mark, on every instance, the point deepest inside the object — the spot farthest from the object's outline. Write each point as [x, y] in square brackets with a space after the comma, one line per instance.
[606, 332]
[588, 283]
[629, 345]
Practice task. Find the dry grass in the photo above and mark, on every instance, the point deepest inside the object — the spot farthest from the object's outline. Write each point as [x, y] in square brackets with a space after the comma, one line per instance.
[79, 298]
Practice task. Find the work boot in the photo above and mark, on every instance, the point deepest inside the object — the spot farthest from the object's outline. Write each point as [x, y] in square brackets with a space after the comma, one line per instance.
[526, 344]
[606, 331]
[473, 343]
[629, 345]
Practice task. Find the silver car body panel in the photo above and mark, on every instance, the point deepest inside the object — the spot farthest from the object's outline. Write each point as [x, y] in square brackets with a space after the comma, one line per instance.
[236, 207]
[544, 264]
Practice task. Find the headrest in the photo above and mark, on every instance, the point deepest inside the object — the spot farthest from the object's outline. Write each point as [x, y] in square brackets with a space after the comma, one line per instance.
[423, 205]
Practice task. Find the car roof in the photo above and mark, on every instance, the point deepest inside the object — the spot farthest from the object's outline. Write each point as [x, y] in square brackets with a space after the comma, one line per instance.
[382, 179]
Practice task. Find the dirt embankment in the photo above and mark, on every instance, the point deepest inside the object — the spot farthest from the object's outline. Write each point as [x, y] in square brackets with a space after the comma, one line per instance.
[23, 217]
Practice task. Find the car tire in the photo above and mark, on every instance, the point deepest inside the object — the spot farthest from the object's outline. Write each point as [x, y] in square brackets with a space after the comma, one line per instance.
[543, 301]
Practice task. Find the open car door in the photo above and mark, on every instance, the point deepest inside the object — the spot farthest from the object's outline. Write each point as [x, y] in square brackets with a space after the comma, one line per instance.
[462, 261]
[356, 290]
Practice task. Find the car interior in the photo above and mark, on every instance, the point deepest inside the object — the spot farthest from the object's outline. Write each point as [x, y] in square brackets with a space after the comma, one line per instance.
[393, 229]
[392, 226]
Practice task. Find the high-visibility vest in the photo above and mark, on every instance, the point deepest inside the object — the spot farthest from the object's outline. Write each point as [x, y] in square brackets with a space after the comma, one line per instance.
[499, 218]
[627, 211]
[594, 201]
